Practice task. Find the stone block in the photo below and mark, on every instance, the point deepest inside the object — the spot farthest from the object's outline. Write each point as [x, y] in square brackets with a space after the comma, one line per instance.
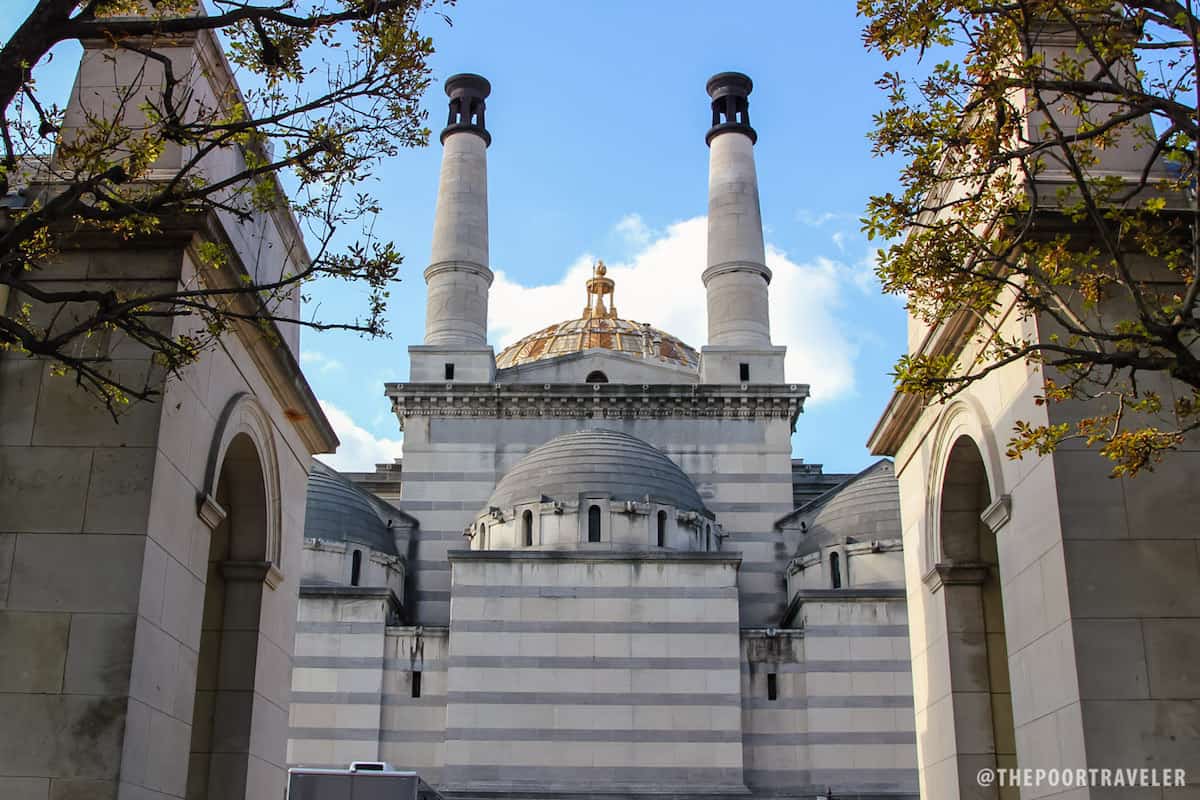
[167, 759]
[61, 736]
[85, 572]
[68, 416]
[34, 651]
[1132, 579]
[99, 654]
[1111, 659]
[1173, 658]
[118, 499]
[83, 790]
[1164, 504]
[8, 542]
[44, 488]
[25, 788]
[1156, 733]
[1091, 505]
[20, 381]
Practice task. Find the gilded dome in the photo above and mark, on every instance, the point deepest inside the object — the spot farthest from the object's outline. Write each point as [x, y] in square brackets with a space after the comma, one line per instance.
[599, 328]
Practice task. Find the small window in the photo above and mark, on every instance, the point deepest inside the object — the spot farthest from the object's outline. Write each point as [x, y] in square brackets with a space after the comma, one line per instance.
[772, 686]
[355, 567]
[708, 537]
[416, 683]
[744, 372]
[662, 528]
[835, 571]
[527, 526]
[594, 524]
[449, 372]
[596, 376]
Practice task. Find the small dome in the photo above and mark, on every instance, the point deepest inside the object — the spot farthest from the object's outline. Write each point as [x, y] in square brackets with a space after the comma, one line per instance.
[864, 508]
[597, 462]
[337, 510]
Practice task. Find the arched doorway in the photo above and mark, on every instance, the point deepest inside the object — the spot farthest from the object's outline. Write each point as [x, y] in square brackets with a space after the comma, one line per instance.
[221, 748]
[978, 648]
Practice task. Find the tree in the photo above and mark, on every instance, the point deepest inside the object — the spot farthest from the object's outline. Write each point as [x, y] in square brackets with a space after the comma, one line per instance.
[1050, 168]
[331, 88]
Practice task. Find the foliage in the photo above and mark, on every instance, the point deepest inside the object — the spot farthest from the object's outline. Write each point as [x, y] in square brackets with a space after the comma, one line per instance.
[331, 88]
[1048, 206]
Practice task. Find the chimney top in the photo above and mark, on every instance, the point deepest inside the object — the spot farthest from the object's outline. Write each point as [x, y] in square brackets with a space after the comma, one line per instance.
[730, 93]
[467, 92]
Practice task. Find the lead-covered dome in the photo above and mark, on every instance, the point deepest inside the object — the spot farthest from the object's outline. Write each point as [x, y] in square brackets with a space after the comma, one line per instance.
[337, 510]
[599, 329]
[597, 463]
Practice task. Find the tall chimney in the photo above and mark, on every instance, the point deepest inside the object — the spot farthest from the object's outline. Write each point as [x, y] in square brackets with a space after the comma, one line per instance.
[458, 276]
[739, 333]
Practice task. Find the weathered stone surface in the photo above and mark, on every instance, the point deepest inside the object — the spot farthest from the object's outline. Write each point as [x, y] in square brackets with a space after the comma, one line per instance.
[98, 654]
[34, 651]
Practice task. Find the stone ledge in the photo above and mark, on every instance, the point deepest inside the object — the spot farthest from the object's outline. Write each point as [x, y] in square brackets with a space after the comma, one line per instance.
[594, 555]
[948, 573]
[603, 401]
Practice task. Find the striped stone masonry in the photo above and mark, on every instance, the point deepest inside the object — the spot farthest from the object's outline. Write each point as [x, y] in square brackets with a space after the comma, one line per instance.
[580, 670]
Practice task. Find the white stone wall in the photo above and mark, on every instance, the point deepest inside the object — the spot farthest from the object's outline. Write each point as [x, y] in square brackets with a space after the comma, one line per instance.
[842, 716]
[742, 468]
[103, 562]
[581, 670]
[1098, 611]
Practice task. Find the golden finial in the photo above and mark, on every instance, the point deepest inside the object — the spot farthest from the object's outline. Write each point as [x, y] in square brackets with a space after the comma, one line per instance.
[598, 286]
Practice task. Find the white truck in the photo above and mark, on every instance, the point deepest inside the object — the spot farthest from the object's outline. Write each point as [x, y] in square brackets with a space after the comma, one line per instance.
[363, 780]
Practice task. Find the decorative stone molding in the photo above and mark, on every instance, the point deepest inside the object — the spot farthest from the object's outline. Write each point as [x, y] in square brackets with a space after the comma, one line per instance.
[997, 515]
[251, 572]
[597, 401]
[209, 510]
[963, 573]
[243, 414]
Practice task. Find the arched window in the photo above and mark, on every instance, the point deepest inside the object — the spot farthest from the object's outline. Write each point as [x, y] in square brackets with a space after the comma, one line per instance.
[707, 537]
[835, 571]
[662, 528]
[527, 527]
[594, 524]
[355, 567]
[596, 376]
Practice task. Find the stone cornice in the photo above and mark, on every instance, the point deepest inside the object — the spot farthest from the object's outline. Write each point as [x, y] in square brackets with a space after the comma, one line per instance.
[598, 401]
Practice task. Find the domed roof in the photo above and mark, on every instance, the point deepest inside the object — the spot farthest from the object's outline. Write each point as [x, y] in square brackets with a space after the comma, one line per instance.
[337, 510]
[864, 508]
[597, 462]
[599, 328]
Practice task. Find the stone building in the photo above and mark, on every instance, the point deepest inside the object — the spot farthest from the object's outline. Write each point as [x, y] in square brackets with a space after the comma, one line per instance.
[149, 570]
[588, 574]
[1054, 613]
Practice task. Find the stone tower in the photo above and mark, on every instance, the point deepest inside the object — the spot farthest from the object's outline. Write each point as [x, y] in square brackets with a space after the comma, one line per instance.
[736, 277]
[458, 277]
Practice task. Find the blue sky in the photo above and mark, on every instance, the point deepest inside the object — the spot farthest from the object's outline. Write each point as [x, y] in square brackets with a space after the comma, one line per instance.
[598, 114]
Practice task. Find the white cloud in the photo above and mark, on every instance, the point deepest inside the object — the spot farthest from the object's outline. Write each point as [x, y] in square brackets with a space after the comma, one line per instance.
[815, 219]
[634, 230]
[359, 450]
[660, 284]
[314, 359]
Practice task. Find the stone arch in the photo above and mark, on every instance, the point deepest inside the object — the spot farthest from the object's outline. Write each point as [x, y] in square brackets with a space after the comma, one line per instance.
[964, 416]
[240, 505]
[243, 415]
[968, 576]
